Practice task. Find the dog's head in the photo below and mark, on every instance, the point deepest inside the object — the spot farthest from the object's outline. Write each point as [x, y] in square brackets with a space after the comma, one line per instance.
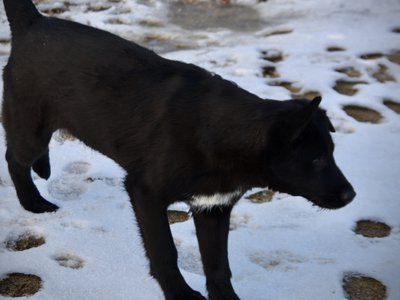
[303, 164]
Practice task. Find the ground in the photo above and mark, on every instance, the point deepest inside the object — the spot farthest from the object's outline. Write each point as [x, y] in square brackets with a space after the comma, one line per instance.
[281, 247]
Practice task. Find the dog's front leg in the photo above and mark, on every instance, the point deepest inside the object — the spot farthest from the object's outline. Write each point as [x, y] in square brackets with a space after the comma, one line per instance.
[212, 228]
[151, 215]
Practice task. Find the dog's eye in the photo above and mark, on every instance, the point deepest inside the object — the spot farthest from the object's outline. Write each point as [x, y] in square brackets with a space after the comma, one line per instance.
[319, 163]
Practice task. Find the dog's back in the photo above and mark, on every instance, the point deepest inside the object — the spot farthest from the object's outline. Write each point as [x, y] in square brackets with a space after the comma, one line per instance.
[58, 67]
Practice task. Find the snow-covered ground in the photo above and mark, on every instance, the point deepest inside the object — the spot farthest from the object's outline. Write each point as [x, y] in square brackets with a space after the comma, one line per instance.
[284, 249]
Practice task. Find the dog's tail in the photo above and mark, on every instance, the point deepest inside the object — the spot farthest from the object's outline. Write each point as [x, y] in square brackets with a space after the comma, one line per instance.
[21, 14]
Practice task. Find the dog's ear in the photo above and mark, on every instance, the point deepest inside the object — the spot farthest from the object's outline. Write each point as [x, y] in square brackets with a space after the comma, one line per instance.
[302, 118]
[330, 125]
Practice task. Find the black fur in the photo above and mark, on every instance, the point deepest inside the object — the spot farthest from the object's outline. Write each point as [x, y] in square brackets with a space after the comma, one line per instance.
[177, 130]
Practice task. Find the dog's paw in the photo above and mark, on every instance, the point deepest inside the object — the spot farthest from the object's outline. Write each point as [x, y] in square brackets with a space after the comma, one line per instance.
[40, 205]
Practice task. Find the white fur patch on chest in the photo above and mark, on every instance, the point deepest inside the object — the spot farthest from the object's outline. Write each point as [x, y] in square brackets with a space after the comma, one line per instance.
[201, 202]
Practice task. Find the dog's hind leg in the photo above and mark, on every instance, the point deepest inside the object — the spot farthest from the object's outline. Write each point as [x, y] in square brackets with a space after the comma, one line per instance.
[28, 194]
[42, 166]
[27, 145]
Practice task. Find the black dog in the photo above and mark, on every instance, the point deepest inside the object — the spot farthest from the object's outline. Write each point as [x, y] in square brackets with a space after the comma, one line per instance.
[178, 131]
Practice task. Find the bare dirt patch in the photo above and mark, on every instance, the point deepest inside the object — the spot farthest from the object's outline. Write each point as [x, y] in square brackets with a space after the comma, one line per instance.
[347, 88]
[151, 23]
[383, 74]
[97, 8]
[117, 21]
[270, 71]
[335, 49]
[373, 55]
[363, 114]
[309, 95]
[54, 9]
[272, 55]
[176, 216]
[372, 229]
[200, 15]
[349, 71]
[5, 41]
[63, 135]
[394, 57]
[393, 105]
[290, 86]
[261, 197]
[278, 32]
[24, 242]
[19, 285]
[358, 287]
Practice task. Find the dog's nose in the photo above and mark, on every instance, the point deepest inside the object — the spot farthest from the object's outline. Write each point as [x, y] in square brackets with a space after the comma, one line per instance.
[347, 195]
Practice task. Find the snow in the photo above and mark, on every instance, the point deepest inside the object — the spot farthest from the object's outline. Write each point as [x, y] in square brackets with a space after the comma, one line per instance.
[286, 249]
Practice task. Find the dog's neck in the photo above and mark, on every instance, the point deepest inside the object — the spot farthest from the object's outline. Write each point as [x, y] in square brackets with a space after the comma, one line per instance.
[241, 143]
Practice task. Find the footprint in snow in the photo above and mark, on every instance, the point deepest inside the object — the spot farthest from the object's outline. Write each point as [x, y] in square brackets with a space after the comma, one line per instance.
[239, 220]
[277, 260]
[67, 187]
[283, 260]
[70, 185]
[77, 167]
[189, 259]
[69, 260]
[83, 225]
[24, 241]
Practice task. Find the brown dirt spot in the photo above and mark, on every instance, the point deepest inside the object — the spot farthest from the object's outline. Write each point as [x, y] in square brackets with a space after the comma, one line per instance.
[56, 10]
[309, 95]
[363, 114]
[157, 37]
[270, 71]
[97, 8]
[279, 32]
[359, 287]
[64, 135]
[372, 229]
[382, 74]
[117, 21]
[151, 23]
[373, 55]
[261, 197]
[349, 71]
[394, 57]
[4, 41]
[19, 285]
[176, 216]
[24, 242]
[287, 85]
[272, 55]
[200, 15]
[395, 106]
[345, 87]
[335, 49]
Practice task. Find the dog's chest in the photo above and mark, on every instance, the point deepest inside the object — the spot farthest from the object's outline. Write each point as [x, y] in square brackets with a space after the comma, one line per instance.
[201, 202]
